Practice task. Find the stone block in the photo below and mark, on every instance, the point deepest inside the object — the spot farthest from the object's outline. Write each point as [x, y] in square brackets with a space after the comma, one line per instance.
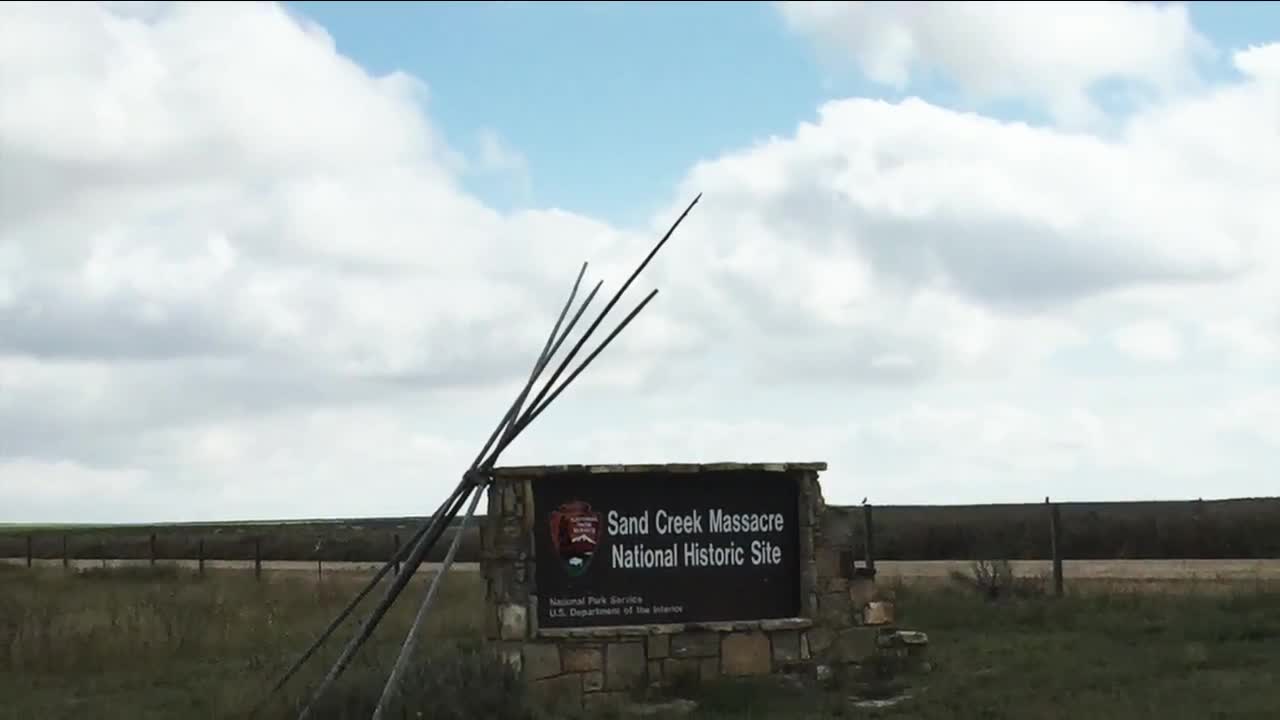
[592, 681]
[658, 646]
[508, 499]
[695, 644]
[512, 657]
[878, 613]
[786, 646]
[828, 560]
[834, 609]
[708, 669]
[541, 660]
[624, 665]
[562, 691]
[596, 702]
[819, 640]
[785, 624]
[493, 501]
[862, 590]
[581, 658]
[837, 585]
[655, 671]
[513, 621]
[492, 628]
[681, 669]
[512, 533]
[913, 641]
[526, 488]
[854, 645]
[746, 654]
[504, 585]
[913, 637]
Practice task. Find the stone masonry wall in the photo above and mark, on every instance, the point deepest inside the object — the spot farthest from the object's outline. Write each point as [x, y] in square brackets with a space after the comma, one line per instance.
[841, 622]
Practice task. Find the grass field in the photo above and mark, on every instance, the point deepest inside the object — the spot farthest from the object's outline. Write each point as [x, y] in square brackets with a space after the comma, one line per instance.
[137, 643]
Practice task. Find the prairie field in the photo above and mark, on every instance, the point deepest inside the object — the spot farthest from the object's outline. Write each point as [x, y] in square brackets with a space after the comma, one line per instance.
[167, 643]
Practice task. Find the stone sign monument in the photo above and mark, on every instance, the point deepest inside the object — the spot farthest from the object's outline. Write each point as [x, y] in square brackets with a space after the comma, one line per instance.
[607, 578]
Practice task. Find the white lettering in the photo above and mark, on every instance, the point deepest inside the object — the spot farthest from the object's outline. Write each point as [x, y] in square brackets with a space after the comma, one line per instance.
[764, 552]
[628, 525]
[668, 524]
[639, 557]
[723, 522]
[700, 555]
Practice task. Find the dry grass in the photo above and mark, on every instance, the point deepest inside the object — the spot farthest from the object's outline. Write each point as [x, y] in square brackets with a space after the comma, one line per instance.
[163, 643]
[167, 644]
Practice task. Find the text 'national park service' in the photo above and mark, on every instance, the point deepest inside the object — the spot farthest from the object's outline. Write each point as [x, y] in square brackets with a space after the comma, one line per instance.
[628, 535]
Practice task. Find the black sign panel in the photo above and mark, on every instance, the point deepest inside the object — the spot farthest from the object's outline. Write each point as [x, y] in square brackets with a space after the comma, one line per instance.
[631, 549]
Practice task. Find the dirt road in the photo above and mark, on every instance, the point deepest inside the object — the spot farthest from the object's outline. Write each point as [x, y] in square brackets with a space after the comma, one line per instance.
[1142, 570]
[267, 565]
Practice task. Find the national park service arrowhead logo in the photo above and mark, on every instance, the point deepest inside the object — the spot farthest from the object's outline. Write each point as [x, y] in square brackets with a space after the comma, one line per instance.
[575, 535]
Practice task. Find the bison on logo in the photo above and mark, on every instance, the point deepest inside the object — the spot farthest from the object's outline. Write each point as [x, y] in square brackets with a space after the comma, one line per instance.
[575, 535]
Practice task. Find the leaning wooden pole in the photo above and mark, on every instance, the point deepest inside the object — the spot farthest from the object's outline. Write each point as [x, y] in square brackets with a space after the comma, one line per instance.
[439, 523]
[450, 507]
[477, 476]
[411, 639]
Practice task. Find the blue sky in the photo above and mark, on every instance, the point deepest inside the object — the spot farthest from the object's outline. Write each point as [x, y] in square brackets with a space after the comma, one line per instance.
[612, 103]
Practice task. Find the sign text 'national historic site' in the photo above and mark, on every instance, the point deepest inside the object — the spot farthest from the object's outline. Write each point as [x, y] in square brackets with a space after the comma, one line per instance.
[666, 548]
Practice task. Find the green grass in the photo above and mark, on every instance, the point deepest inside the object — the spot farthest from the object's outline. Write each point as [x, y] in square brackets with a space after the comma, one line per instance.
[167, 644]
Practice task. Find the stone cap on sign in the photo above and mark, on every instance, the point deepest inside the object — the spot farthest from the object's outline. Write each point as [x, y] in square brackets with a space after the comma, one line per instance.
[534, 471]
[609, 631]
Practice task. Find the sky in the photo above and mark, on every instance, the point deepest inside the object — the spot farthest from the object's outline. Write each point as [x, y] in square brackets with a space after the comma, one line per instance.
[293, 260]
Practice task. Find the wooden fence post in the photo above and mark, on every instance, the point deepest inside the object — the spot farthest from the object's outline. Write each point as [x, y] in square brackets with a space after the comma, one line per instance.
[395, 551]
[1055, 545]
[28, 551]
[153, 549]
[869, 537]
[257, 558]
[66, 558]
[200, 556]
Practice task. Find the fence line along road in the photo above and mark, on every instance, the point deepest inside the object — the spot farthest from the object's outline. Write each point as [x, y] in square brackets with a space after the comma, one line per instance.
[192, 564]
[885, 569]
[1094, 569]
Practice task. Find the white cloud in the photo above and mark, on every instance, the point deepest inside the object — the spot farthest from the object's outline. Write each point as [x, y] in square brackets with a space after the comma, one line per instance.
[1054, 53]
[248, 300]
[1149, 340]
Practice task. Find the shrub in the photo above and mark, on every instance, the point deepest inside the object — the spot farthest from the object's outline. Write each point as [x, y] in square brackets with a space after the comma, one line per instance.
[995, 579]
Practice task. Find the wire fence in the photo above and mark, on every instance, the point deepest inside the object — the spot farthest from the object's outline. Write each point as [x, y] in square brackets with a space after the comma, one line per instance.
[1050, 533]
